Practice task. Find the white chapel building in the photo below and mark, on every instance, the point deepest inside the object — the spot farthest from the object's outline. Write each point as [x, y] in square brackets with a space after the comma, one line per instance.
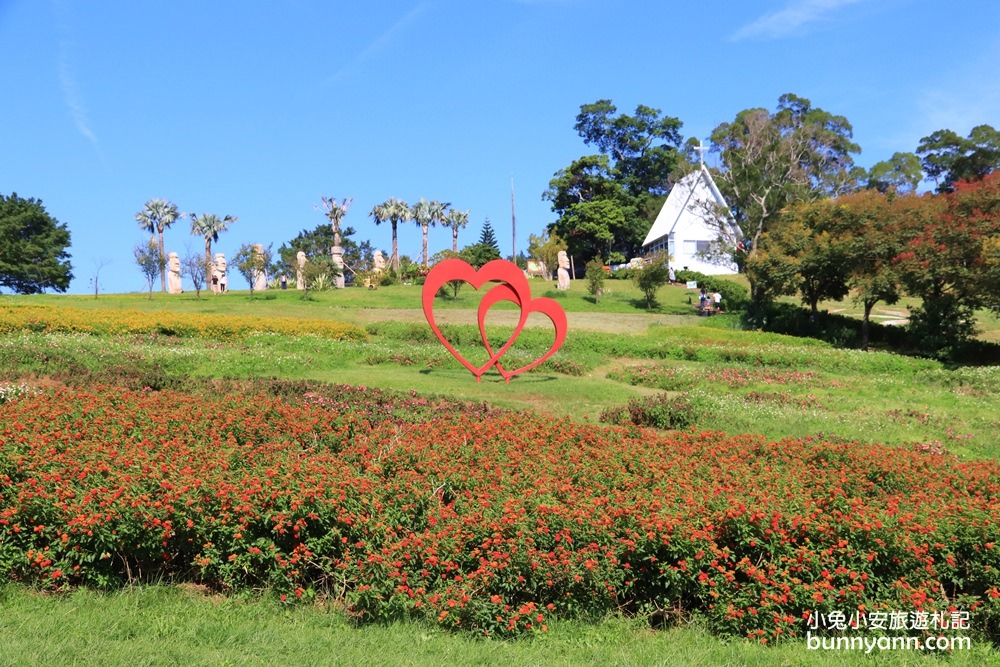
[684, 228]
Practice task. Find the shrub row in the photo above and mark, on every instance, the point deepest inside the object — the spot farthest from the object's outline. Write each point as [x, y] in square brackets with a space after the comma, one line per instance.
[485, 521]
[66, 319]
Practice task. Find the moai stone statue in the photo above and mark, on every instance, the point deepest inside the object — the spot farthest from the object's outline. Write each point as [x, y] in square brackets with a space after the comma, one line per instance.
[259, 275]
[563, 283]
[174, 274]
[219, 279]
[337, 254]
[300, 270]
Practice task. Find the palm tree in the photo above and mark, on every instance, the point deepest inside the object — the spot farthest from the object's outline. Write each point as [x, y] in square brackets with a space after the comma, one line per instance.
[157, 215]
[393, 211]
[335, 212]
[456, 220]
[426, 214]
[209, 225]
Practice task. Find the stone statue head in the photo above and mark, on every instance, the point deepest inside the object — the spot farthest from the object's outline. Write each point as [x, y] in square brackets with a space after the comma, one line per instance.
[220, 262]
[174, 262]
[300, 257]
[563, 260]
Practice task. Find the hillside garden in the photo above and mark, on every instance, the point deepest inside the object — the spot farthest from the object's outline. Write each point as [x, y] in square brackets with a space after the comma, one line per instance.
[664, 479]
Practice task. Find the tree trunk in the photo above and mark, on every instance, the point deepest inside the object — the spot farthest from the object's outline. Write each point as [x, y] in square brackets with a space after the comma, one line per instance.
[865, 323]
[423, 228]
[395, 251]
[163, 259]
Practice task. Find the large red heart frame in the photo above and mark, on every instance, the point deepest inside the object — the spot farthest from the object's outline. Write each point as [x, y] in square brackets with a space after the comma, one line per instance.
[513, 286]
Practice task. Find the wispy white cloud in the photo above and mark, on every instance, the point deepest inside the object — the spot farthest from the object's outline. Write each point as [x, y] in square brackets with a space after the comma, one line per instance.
[380, 43]
[67, 83]
[73, 99]
[794, 19]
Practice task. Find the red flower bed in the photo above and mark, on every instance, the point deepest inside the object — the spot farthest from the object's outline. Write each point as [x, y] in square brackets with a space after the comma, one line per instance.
[485, 521]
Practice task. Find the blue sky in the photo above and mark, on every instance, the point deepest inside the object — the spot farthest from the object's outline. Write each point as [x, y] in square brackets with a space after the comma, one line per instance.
[258, 108]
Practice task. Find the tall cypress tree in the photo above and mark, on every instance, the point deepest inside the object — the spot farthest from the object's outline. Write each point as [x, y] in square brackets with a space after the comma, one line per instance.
[488, 238]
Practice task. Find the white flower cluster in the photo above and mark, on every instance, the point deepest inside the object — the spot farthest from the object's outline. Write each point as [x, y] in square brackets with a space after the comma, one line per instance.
[10, 391]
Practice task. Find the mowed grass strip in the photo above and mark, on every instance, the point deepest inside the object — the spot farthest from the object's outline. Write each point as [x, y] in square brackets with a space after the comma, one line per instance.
[163, 625]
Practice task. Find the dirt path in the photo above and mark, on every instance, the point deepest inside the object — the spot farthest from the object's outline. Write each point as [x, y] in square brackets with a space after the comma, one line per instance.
[605, 322]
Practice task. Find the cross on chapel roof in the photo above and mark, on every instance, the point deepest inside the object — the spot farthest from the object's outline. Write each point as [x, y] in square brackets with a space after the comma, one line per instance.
[700, 150]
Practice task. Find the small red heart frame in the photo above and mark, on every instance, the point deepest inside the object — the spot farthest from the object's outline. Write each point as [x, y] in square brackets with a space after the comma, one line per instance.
[512, 286]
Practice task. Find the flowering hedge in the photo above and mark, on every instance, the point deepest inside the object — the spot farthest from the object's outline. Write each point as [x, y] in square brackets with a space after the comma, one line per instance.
[482, 520]
[220, 327]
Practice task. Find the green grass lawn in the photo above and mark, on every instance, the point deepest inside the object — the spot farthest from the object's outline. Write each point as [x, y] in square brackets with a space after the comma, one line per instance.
[616, 352]
[182, 626]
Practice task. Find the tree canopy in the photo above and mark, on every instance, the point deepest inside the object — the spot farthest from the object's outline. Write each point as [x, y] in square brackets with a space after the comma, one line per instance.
[316, 244]
[33, 245]
[606, 202]
[771, 160]
[948, 158]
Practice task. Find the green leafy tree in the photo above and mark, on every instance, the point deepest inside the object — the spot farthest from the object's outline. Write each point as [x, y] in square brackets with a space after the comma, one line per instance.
[595, 278]
[772, 160]
[150, 261]
[33, 246]
[156, 216]
[479, 254]
[546, 248]
[427, 214]
[643, 146]
[606, 202]
[948, 158]
[650, 278]
[488, 238]
[393, 211]
[251, 263]
[209, 226]
[806, 237]
[358, 256]
[456, 221]
[901, 173]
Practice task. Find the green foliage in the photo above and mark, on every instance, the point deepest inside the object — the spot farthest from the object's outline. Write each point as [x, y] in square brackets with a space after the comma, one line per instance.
[209, 226]
[948, 158]
[33, 246]
[316, 244]
[595, 278]
[393, 211]
[456, 220]
[427, 214]
[651, 278]
[156, 216]
[797, 153]
[251, 263]
[546, 248]
[734, 295]
[479, 254]
[901, 173]
[150, 261]
[488, 238]
[606, 202]
[663, 411]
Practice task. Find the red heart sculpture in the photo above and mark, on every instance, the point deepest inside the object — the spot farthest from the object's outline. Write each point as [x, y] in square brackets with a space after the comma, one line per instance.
[514, 287]
[543, 305]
